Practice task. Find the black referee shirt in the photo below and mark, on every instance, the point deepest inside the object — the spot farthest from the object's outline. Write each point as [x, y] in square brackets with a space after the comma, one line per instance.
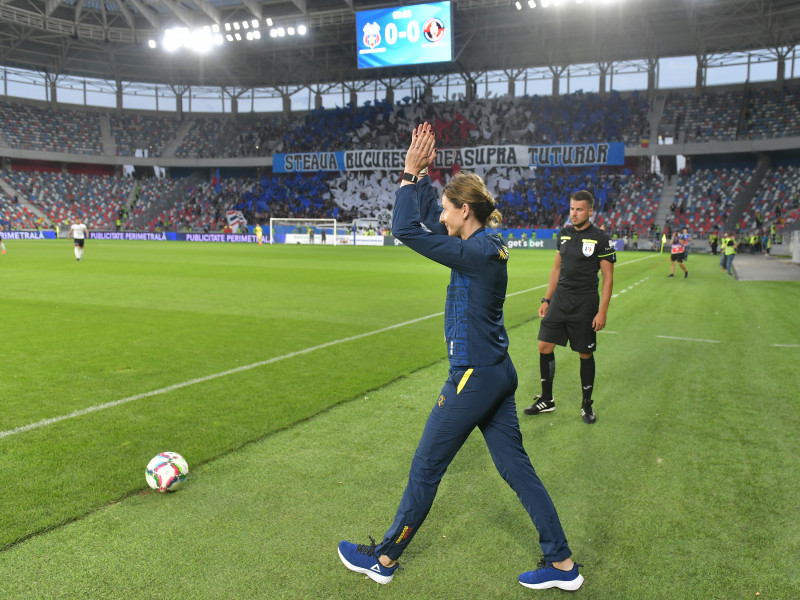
[581, 253]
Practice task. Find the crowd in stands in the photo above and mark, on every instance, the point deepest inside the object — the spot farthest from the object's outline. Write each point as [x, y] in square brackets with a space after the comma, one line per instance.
[705, 197]
[777, 200]
[747, 113]
[93, 199]
[189, 207]
[13, 215]
[28, 127]
[772, 113]
[528, 198]
[257, 137]
[150, 133]
[206, 136]
[752, 113]
[707, 117]
[572, 118]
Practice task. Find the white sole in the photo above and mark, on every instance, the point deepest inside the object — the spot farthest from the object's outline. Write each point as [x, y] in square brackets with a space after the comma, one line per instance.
[569, 586]
[382, 579]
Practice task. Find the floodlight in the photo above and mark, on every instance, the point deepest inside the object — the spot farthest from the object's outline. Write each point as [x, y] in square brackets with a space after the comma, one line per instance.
[152, 43]
[215, 28]
[245, 25]
[174, 38]
[269, 22]
[273, 33]
[255, 23]
[199, 41]
[518, 5]
[236, 26]
[238, 37]
[290, 31]
[301, 30]
[227, 26]
[218, 40]
[532, 3]
[229, 37]
[256, 35]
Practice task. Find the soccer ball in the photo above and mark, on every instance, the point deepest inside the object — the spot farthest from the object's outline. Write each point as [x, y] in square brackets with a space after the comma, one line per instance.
[166, 472]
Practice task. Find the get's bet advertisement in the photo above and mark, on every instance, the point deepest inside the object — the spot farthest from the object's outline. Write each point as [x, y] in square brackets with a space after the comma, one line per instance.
[406, 35]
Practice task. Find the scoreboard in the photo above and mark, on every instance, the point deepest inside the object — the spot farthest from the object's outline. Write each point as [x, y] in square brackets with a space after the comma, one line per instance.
[404, 35]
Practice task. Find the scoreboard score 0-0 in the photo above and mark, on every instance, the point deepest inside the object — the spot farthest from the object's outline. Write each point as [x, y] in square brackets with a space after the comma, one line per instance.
[404, 35]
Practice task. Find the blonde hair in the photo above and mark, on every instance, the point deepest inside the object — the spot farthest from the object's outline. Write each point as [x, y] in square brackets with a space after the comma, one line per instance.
[469, 188]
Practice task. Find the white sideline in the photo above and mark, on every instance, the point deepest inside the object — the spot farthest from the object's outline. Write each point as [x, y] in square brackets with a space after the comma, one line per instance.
[177, 386]
[685, 339]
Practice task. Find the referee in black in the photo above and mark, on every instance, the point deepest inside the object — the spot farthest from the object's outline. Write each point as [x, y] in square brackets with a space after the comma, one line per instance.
[571, 309]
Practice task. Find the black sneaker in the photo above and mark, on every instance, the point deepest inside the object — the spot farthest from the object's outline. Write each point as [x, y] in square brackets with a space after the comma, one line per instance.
[670, 275]
[540, 406]
[587, 413]
[685, 274]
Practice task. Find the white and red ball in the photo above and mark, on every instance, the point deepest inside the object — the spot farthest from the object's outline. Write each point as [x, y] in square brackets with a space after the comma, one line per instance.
[166, 472]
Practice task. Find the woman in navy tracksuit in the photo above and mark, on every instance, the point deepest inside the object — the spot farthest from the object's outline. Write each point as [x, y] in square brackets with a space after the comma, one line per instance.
[479, 391]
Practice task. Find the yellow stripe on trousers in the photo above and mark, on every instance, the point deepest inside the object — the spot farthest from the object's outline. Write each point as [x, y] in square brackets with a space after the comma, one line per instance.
[463, 382]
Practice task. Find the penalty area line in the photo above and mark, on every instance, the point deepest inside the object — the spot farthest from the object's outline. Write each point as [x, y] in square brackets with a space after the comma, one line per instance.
[178, 386]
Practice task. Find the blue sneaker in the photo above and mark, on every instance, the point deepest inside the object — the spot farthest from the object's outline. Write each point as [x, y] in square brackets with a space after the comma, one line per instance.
[361, 558]
[546, 576]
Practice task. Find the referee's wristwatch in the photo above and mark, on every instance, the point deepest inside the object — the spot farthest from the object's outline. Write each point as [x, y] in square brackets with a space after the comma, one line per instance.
[546, 300]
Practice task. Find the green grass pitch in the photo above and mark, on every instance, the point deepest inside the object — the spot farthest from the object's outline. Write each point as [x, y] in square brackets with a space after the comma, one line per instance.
[296, 382]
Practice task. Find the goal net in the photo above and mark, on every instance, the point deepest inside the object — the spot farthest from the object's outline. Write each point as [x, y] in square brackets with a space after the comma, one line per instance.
[303, 231]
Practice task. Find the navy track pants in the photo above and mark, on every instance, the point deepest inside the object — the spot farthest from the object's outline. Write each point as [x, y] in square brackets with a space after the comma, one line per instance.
[476, 397]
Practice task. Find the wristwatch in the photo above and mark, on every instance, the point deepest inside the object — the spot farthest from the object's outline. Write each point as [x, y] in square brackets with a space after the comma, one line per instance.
[410, 177]
[546, 300]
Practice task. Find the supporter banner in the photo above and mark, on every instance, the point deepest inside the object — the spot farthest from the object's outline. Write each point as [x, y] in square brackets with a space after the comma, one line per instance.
[28, 235]
[569, 155]
[308, 162]
[578, 155]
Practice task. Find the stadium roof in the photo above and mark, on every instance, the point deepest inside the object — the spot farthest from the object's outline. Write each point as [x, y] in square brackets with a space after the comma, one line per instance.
[108, 39]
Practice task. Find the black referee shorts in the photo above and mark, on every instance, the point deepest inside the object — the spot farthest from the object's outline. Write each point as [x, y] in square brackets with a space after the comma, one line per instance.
[569, 317]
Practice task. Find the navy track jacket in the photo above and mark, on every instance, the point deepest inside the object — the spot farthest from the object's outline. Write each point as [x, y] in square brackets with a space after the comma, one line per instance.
[473, 313]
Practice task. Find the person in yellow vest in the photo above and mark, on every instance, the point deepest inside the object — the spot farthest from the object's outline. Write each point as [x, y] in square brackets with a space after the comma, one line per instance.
[55, 225]
[663, 241]
[730, 254]
[726, 238]
[118, 223]
[259, 233]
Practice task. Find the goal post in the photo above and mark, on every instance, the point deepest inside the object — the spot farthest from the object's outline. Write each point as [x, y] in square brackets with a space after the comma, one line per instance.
[303, 231]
